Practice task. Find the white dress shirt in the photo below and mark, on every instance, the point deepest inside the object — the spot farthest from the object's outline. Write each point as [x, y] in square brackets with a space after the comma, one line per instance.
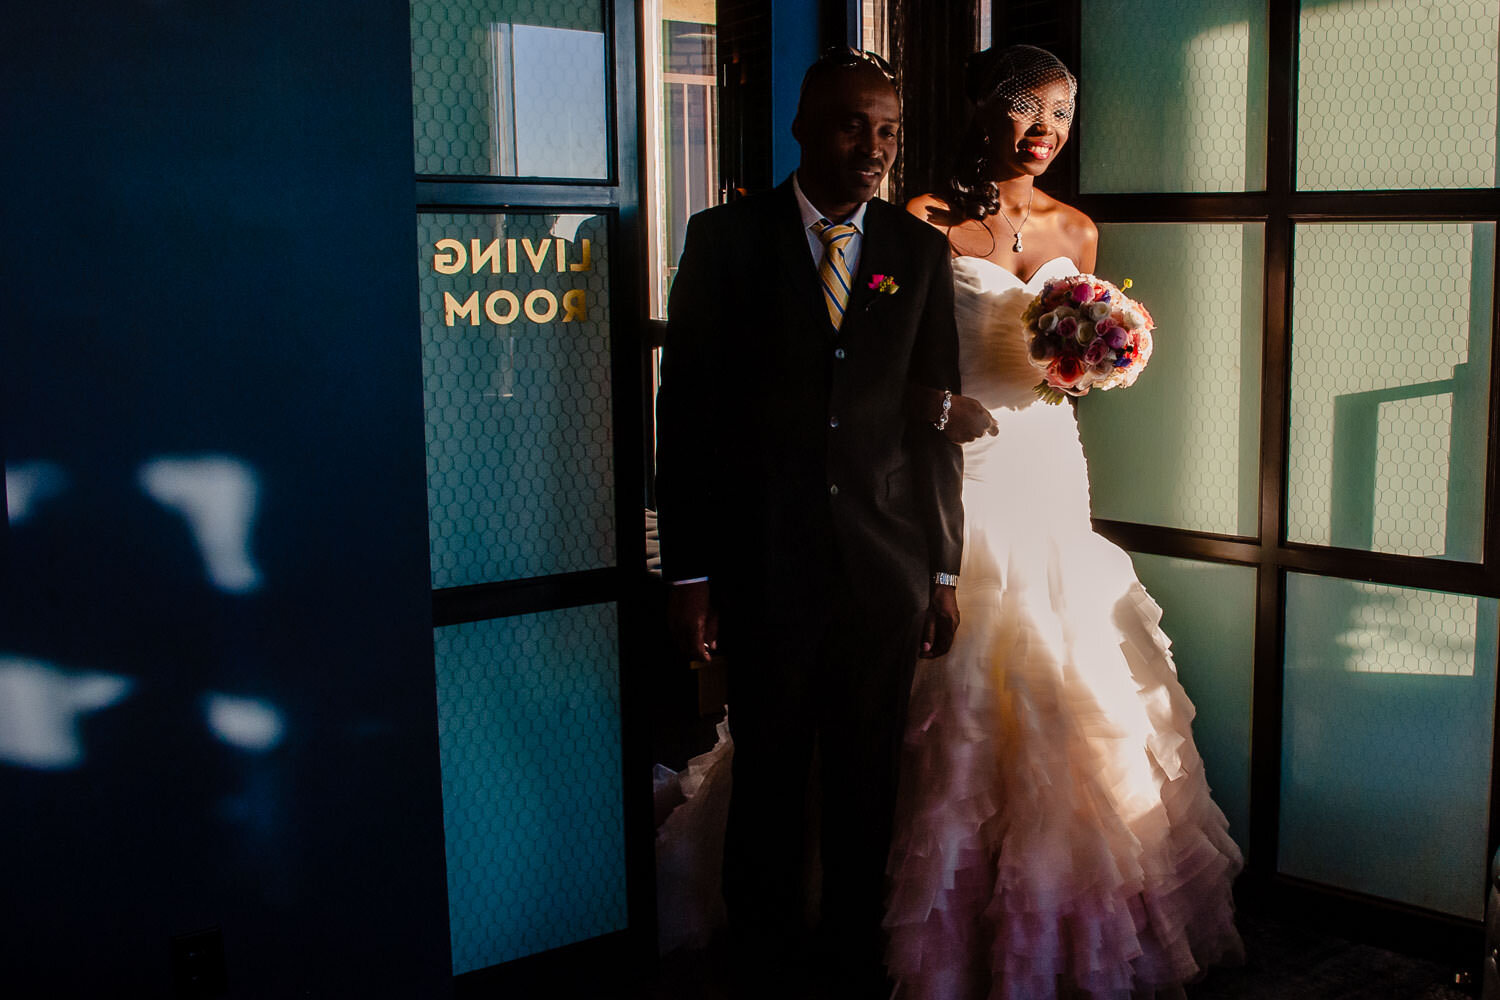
[810, 217]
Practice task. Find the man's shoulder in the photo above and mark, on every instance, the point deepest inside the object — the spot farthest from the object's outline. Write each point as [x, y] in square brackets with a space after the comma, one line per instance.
[761, 205]
[907, 227]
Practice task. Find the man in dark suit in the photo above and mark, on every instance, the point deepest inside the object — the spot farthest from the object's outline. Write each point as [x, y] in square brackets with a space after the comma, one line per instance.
[811, 529]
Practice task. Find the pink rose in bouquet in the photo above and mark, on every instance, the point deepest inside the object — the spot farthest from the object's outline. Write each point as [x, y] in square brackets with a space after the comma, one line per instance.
[1084, 333]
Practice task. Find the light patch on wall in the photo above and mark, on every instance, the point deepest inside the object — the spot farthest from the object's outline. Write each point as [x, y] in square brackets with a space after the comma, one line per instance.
[247, 723]
[216, 495]
[40, 708]
[1217, 98]
[1400, 630]
[30, 484]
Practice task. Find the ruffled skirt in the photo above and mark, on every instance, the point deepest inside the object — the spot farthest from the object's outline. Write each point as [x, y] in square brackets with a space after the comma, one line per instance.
[1055, 835]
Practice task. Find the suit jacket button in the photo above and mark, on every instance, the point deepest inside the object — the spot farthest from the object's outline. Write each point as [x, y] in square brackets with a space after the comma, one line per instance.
[838, 352]
[833, 490]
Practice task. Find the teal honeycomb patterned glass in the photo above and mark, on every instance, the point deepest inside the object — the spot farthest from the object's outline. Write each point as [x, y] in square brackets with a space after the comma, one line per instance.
[1179, 448]
[516, 381]
[1208, 610]
[1399, 94]
[1174, 96]
[510, 88]
[1388, 719]
[533, 821]
[1390, 387]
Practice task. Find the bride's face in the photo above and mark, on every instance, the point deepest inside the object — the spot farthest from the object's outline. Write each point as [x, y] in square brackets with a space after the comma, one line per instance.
[1029, 129]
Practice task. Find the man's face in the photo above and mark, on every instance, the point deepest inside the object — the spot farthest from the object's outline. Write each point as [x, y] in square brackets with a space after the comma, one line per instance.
[847, 130]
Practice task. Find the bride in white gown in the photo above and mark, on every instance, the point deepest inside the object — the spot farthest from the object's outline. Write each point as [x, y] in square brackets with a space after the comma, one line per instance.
[1055, 834]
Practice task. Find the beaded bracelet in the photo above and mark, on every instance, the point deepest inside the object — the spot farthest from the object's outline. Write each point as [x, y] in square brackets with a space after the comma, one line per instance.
[942, 420]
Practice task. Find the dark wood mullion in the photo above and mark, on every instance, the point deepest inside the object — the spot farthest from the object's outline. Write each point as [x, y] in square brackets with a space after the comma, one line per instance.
[1491, 544]
[1163, 541]
[1224, 207]
[629, 294]
[438, 194]
[1270, 612]
[1385, 568]
[1388, 569]
[482, 601]
[1458, 204]
[1461, 205]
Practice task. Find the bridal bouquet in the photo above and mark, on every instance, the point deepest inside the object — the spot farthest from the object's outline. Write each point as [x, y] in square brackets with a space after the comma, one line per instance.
[1083, 333]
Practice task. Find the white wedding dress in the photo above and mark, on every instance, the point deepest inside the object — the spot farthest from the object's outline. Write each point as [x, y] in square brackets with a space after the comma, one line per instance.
[1055, 834]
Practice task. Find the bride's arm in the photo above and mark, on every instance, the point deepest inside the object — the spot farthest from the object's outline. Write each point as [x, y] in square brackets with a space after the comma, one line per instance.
[1087, 235]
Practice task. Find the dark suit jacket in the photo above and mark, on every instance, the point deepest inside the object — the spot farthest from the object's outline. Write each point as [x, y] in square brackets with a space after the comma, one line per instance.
[786, 463]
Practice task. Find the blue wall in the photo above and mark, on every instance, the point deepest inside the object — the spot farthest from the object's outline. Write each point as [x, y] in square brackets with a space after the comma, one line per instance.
[794, 33]
[211, 328]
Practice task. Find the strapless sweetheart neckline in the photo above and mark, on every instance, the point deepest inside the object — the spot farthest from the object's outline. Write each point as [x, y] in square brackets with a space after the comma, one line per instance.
[1025, 282]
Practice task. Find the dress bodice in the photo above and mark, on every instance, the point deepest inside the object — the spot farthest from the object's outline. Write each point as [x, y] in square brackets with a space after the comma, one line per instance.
[1033, 471]
[988, 303]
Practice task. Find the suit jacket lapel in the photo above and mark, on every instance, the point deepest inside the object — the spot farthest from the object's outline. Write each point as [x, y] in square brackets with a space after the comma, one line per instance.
[877, 255]
[798, 275]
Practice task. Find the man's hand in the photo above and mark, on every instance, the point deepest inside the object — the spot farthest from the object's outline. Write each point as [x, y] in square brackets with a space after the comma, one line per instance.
[692, 621]
[967, 420]
[941, 621]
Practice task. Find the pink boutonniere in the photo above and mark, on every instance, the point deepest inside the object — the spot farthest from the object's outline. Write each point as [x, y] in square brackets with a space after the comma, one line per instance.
[884, 284]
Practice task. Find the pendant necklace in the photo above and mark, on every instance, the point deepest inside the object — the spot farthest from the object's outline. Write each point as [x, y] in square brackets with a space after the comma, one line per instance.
[1014, 229]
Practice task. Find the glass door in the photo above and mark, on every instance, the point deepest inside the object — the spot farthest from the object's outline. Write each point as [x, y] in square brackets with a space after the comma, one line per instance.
[532, 366]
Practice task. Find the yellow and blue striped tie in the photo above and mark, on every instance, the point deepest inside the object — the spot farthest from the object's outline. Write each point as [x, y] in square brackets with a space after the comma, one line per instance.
[833, 272]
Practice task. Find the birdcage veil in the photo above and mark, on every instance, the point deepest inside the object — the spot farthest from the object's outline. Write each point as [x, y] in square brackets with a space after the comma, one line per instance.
[1013, 75]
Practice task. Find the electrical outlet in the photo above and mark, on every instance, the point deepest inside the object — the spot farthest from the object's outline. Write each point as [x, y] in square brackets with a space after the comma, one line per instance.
[198, 965]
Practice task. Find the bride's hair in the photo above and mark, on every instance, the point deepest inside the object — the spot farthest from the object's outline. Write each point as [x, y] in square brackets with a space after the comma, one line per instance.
[995, 75]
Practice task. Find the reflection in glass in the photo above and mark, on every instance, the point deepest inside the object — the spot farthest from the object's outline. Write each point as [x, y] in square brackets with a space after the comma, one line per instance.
[1390, 387]
[510, 88]
[516, 382]
[1397, 94]
[1179, 448]
[1388, 719]
[684, 154]
[1192, 116]
[549, 113]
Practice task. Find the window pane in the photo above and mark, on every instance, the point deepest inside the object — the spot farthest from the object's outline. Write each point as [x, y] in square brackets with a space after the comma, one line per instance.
[1192, 116]
[509, 88]
[1388, 721]
[529, 737]
[683, 154]
[1179, 448]
[1208, 610]
[1390, 387]
[1397, 94]
[516, 378]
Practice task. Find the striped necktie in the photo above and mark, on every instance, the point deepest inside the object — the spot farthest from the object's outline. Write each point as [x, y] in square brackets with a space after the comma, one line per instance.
[833, 272]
